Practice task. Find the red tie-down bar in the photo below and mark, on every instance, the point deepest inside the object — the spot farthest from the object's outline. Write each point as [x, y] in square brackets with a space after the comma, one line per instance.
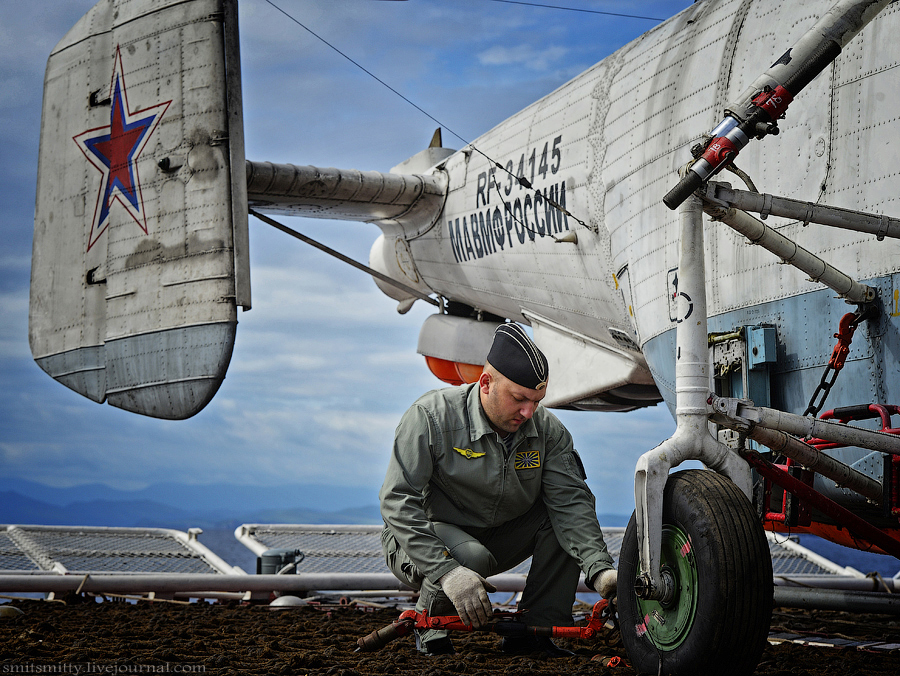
[504, 624]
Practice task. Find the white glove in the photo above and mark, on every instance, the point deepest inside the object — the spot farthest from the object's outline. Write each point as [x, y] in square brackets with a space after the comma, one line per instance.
[466, 590]
[605, 583]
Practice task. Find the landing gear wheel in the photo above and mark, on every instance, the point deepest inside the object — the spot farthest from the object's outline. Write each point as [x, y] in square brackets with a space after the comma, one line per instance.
[715, 550]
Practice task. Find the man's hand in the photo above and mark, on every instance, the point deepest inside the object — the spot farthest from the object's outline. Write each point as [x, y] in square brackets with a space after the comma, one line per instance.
[604, 583]
[467, 590]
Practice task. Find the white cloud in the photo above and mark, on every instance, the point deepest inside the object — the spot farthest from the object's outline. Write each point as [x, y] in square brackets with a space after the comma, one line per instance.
[537, 58]
[14, 326]
[18, 262]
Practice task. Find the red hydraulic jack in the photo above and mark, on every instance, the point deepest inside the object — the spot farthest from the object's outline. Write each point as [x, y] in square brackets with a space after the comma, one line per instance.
[504, 624]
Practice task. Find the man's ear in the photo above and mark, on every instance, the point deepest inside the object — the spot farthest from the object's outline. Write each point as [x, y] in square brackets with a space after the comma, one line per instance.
[484, 382]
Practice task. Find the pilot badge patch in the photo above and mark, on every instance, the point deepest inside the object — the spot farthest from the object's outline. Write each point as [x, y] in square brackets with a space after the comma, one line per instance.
[528, 459]
[468, 453]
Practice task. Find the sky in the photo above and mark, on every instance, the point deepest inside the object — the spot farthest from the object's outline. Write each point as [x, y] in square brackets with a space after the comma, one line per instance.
[323, 365]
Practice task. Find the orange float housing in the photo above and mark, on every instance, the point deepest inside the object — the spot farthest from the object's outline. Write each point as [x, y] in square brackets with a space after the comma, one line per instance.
[455, 348]
[454, 372]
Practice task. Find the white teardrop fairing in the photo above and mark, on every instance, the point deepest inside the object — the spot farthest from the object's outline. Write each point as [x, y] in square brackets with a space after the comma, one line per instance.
[390, 256]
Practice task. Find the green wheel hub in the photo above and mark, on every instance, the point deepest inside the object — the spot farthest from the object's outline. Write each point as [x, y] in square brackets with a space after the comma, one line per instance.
[669, 624]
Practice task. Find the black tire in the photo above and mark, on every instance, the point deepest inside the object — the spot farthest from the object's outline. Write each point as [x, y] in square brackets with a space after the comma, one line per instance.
[719, 620]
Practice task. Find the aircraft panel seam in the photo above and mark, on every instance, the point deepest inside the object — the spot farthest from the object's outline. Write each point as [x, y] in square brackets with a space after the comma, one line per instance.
[453, 282]
[857, 45]
[629, 110]
[663, 155]
[652, 137]
[647, 185]
[867, 74]
[861, 130]
[207, 16]
[523, 301]
[726, 66]
[645, 46]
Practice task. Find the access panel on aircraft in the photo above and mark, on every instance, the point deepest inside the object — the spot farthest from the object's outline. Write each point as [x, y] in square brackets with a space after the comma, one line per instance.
[140, 244]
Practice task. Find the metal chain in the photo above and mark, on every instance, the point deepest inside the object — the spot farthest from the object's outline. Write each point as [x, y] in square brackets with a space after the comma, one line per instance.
[846, 329]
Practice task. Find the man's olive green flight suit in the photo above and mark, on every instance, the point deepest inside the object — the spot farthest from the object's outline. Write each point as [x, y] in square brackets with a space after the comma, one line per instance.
[454, 495]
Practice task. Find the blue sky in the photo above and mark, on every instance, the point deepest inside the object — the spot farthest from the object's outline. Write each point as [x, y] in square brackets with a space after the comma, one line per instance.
[323, 365]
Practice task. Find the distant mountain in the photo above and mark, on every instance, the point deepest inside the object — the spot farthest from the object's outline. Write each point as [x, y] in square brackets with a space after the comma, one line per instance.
[19, 509]
[15, 508]
[183, 506]
[205, 497]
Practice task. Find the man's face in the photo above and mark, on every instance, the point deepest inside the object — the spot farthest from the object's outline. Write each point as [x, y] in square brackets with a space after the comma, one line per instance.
[507, 404]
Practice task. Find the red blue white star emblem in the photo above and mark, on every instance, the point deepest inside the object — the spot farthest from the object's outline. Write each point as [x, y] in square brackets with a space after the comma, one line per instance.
[114, 150]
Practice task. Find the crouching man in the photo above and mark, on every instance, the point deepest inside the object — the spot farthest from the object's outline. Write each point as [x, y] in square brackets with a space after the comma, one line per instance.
[480, 478]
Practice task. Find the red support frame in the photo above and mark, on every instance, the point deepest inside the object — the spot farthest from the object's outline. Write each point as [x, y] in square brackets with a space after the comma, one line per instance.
[858, 527]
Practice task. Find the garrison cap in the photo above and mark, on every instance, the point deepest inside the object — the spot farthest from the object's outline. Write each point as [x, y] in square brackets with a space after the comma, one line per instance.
[516, 356]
